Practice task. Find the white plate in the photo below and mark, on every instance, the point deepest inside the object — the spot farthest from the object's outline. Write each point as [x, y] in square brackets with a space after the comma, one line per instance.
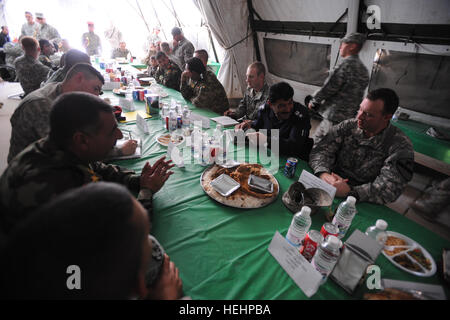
[165, 143]
[413, 245]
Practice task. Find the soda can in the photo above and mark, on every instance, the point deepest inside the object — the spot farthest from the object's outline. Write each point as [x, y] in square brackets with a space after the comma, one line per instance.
[141, 95]
[179, 122]
[289, 169]
[312, 240]
[135, 95]
[102, 65]
[329, 228]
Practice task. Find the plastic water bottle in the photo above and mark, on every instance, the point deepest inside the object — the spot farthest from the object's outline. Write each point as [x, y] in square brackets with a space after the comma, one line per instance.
[205, 151]
[326, 256]
[378, 231]
[301, 222]
[172, 121]
[196, 141]
[344, 216]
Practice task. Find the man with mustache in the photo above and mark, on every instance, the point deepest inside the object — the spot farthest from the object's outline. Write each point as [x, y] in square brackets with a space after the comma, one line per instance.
[290, 118]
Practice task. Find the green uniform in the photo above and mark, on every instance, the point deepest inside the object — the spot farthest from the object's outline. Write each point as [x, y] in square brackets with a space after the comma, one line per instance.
[43, 171]
[378, 168]
[169, 76]
[92, 43]
[206, 93]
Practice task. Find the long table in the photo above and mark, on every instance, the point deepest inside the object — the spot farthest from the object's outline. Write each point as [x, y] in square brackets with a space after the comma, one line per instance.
[222, 252]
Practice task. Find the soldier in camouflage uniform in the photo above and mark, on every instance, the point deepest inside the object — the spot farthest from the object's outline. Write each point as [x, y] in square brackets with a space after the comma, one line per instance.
[168, 73]
[121, 52]
[30, 28]
[366, 157]
[47, 49]
[343, 90]
[183, 49]
[71, 58]
[91, 42]
[83, 130]
[46, 31]
[255, 95]
[12, 51]
[31, 72]
[203, 88]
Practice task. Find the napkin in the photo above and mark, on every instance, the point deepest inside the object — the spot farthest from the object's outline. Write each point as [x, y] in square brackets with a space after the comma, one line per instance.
[175, 155]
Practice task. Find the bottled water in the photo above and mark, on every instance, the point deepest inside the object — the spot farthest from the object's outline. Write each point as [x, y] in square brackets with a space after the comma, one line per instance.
[344, 216]
[377, 231]
[196, 140]
[205, 151]
[172, 121]
[326, 256]
[301, 222]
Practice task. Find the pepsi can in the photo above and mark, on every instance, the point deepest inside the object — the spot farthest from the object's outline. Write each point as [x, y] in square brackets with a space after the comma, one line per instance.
[135, 95]
[289, 169]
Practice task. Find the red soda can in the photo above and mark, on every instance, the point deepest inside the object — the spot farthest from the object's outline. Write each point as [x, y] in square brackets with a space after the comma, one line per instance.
[329, 228]
[141, 95]
[312, 240]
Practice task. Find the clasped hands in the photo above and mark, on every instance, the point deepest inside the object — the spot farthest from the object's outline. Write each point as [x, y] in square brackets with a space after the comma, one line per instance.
[154, 177]
[341, 185]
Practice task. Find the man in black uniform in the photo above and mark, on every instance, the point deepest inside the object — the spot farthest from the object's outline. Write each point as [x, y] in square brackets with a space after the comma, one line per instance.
[289, 117]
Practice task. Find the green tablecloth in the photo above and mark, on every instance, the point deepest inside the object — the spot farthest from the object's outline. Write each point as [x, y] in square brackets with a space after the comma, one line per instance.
[423, 143]
[221, 252]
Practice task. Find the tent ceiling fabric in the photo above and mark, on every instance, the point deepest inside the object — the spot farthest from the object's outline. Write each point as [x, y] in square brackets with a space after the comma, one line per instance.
[228, 21]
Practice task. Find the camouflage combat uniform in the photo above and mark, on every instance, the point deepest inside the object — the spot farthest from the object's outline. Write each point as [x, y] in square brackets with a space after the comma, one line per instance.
[183, 52]
[12, 51]
[151, 71]
[49, 33]
[378, 168]
[92, 43]
[30, 30]
[118, 53]
[341, 94]
[31, 73]
[170, 76]
[248, 106]
[206, 93]
[43, 171]
[46, 61]
[57, 76]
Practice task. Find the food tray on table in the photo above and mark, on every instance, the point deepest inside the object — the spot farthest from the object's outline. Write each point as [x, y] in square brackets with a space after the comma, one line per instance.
[244, 197]
[407, 255]
[164, 139]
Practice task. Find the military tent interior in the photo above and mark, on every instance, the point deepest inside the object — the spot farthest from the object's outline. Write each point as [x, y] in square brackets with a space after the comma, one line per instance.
[407, 49]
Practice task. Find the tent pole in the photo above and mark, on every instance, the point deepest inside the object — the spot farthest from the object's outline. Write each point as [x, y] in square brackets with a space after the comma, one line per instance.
[157, 18]
[255, 36]
[212, 42]
[352, 16]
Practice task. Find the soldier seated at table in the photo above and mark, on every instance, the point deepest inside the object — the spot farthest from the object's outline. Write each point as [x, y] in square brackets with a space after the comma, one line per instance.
[168, 73]
[255, 95]
[121, 52]
[202, 87]
[153, 67]
[47, 50]
[282, 113]
[366, 157]
[68, 60]
[29, 121]
[91, 242]
[30, 71]
[83, 130]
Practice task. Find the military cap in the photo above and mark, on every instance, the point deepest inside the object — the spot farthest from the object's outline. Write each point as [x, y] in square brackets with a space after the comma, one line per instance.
[354, 38]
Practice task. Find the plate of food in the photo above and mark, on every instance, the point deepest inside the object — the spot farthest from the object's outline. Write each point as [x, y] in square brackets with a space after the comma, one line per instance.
[119, 92]
[164, 139]
[262, 191]
[408, 255]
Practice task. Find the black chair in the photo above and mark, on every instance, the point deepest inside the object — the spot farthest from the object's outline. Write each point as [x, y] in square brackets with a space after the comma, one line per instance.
[8, 73]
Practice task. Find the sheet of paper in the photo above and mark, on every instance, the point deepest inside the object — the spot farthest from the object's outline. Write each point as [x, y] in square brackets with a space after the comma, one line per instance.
[225, 121]
[141, 124]
[311, 181]
[126, 104]
[131, 116]
[137, 153]
[297, 267]
[205, 120]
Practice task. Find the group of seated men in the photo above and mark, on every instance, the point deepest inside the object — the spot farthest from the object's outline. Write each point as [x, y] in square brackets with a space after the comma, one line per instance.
[47, 198]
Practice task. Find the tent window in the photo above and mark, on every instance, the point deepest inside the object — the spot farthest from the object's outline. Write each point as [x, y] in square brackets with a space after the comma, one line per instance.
[422, 81]
[298, 61]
